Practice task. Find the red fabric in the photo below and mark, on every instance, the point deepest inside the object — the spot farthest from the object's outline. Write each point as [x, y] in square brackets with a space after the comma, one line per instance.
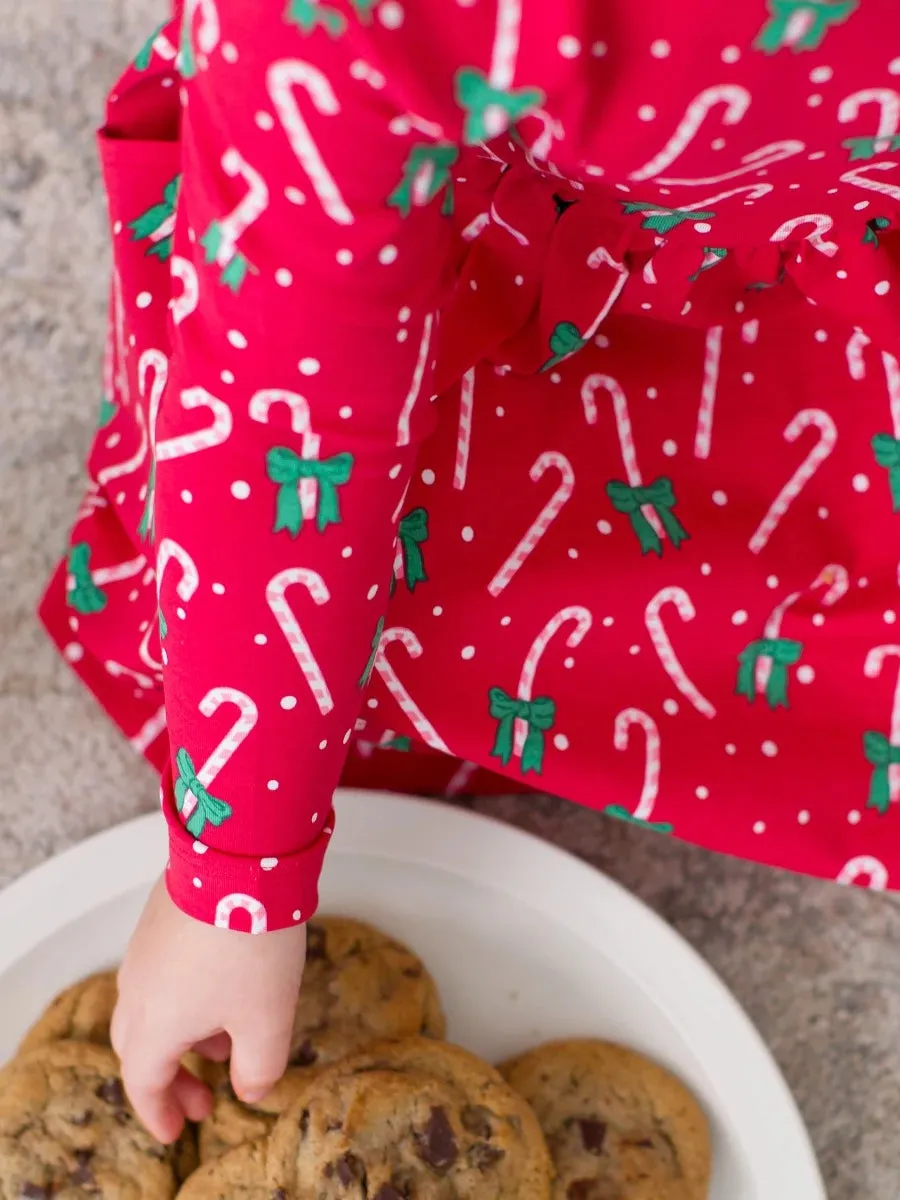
[660, 310]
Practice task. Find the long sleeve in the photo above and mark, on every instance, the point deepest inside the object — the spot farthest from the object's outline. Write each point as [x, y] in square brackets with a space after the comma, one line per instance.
[309, 254]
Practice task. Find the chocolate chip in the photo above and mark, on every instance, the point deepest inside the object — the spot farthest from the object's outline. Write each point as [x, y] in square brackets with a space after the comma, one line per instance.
[477, 1121]
[304, 1122]
[278, 1194]
[306, 1055]
[315, 942]
[83, 1174]
[112, 1092]
[34, 1191]
[83, 1118]
[350, 1169]
[413, 973]
[437, 1143]
[593, 1135]
[482, 1156]
[388, 1192]
[643, 1144]
[583, 1189]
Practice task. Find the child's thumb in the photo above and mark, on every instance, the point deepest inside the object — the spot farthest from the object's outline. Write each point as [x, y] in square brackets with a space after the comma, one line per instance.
[259, 1058]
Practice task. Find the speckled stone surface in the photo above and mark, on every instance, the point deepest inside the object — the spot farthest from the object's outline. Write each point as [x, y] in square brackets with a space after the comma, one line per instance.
[817, 967]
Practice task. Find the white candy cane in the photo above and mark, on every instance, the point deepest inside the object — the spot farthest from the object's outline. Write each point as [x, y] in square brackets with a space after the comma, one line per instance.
[118, 671]
[183, 305]
[874, 665]
[583, 621]
[121, 343]
[552, 130]
[190, 576]
[476, 226]
[755, 191]
[415, 386]
[828, 434]
[149, 731]
[544, 519]
[514, 233]
[115, 574]
[736, 100]
[506, 45]
[663, 646]
[247, 211]
[464, 436]
[711, 358]
[888, 103]
[255, 909]
[835, 578]
[91, 501]
[260, 403]
[634, 716]
[204, 439]
[144, 650]
[281, 79]
[821, 224]
[857, 178]
[155, 361]
[865, 865]
[756, 160]
[460, 778]
[208, 32]
[248, 715]
[164, 48]
[290, 627]
[408, 706]
[119, 470]
[601, 257]
[856, 364]
[626, 435]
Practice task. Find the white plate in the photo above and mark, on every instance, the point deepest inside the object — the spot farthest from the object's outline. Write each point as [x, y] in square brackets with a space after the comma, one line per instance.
[526, 943]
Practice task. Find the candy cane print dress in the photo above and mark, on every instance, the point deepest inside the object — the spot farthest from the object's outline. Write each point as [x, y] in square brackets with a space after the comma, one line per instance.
[501, 390]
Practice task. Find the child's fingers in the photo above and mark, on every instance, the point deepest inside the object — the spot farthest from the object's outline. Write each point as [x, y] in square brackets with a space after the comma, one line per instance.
[259, 1056]
[216, 1048]
[149, 1071]
[194, 1098]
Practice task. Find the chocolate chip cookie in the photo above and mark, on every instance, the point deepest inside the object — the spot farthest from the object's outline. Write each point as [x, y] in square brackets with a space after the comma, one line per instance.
[619, 1127]
[412, 1118]
[238, 1175]
[231, 1122]
[68, 1131]
[81, 1013]
[359, 985]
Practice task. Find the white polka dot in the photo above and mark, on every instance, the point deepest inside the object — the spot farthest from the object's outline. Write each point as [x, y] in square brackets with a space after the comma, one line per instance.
[805, 674]
[842, 274]
[854, 816]
[390, 14]
[748, 377]
[309, 366]
[820, 74]
[237, 339]
[73, 624]
[646, 305]
[572, 552]
[227, 376]
[702, 227]
[660, 48]
[731, 54]
[500, 410]
[705, 569]
[669, 448]
[197, 882]
[199, 848]
[821, 335]
[505, 620]
[882, 287]
[113, 440]
[323, 745]
[759, 827]
[297, 914]
[373, 703]
[372, 592]
[288, 702]
[608, 621]
[344, 257]
[345, 412]
[862, 582]
[740, 617]
[273, 785]
[117, 228]
[569, 663]
[599, 49]
[702, 793]
[264, 121]
[346, 552]
[646, 112]
[395, 470]
[814, 100]
[132, 340]
[240, 489]
[437, 610]
[604, 527]
[294, 195]
[818, 619]
[670, 707]
[347, 736]
[730, 748]
[894, 66]
[467, 533]
[268, 864]
[769, 749]
[823, 514]
[560, 741]
[719, 498]
[387, 254]
[428, 477]
[180, 613]
[187, 496]
[860, 483]
[467, 652]
[133, 595]
[555, 377]
[283, 277]
[569, 46]
[73, 652]
[165, 658]
[260, 639]
[803, 816]
[229, 52]
[718, 143]
[120, 498]
[404, 314]
[144, 300]
[860, 205]
[634, 649]
[890, 616]
[652, 393]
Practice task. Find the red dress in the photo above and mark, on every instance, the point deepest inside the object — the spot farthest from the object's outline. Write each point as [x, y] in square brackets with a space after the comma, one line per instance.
[510, 381]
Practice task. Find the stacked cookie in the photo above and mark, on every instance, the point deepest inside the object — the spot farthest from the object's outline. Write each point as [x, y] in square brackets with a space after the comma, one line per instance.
[374, 1106]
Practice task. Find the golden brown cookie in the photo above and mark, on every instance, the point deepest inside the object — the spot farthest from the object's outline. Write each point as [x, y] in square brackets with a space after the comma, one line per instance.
[359, 986]
[81, 1013]
[238, 1175]
[619, 1127]
[232, 1123]
[412, 1118]
[68, 1131]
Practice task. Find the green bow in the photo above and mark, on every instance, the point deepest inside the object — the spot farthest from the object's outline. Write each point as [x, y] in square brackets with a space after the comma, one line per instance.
[236, 269]
[660, 219]
[108, 410]
[208, 807]
[437, 160]
[370, 665]
[286, 468]
[307, 14]
[145, 528]
[565, 339]
[364, 9]
[143, 56]
[887, 455]
[412, 532]
[154, 218]
[84, 595]
[712, 256]
[399, 742]
[775, 33]
[868, 147]
[783, 653]
[475, 95]
[882, 755]
[622, 814]
[873, 228]
[539, 715]
[163, 624]
[660, 496]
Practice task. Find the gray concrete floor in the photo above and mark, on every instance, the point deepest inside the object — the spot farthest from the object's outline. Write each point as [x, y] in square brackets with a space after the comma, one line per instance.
[817, 967]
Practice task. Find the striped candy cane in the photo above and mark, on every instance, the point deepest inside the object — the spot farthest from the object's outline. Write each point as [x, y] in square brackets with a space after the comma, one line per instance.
[91, 501]
[144, 650]
[247, 211]
[415, 386]
[204, 439]
[290, 627]
[515, 234]
[476, 226]
[281, 79]
[756, 160]
[115, 574]
[182, 306]
[464, 436]
[601, 257]
[755, 191]
[118, 313]
[711, 359]
[626, 435]
[260, 403]
[190, 577]
[865, 865]
[889, 114]
[856, 365]
[835, 578]
[248, 714]
[634, 716]
[821, 223]
[857, 177]
[255, 909]
[208, 32]
[544, 519]
[149, 731]
[874, 665]
[118, 671]
[155, 361]
[736, 100]
[583, 621]
[119, 470]
[805, 419]
[663, 647]
[408, 706]
[460, 778]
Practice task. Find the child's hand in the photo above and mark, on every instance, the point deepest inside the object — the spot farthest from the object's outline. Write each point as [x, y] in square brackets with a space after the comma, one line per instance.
[185, 985]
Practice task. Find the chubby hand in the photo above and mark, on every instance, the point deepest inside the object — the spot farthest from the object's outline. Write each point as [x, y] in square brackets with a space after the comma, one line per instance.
[188, 986]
